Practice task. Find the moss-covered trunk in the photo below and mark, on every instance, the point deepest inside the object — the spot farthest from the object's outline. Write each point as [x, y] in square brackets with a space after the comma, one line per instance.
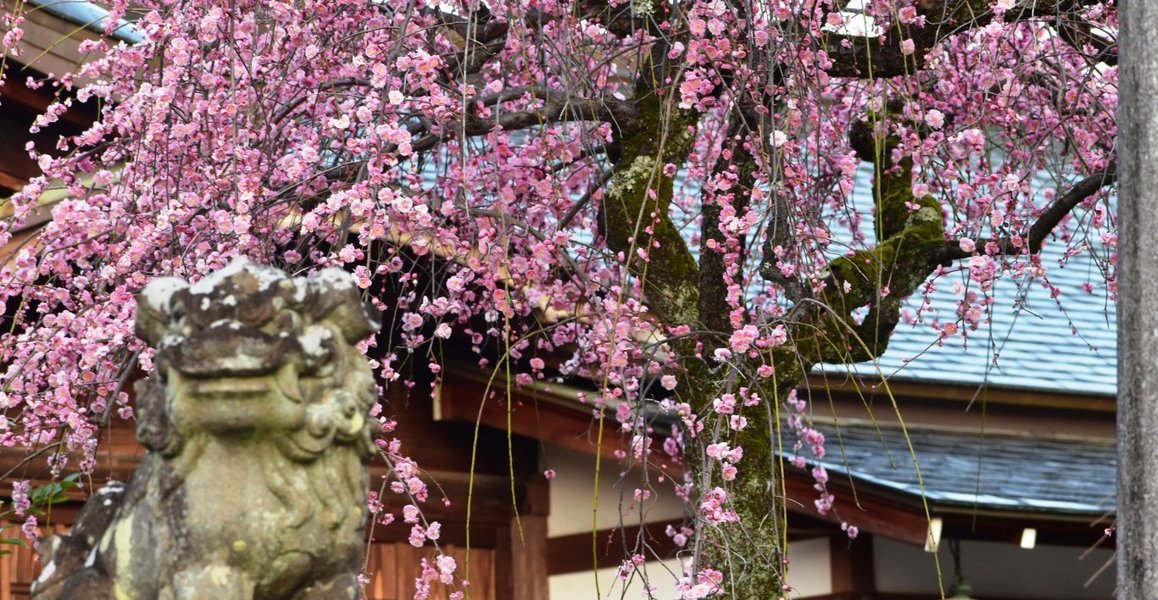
[679, 292]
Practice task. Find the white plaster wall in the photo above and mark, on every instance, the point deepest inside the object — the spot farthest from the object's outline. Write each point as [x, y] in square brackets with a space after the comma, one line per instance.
[572, 503]
[573, 507]
[810, 567]
[581, 585]
[809, 574]
[574, 510]
[995, 569]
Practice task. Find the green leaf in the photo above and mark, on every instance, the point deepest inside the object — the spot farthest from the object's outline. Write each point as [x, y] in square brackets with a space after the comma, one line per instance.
[53, 493]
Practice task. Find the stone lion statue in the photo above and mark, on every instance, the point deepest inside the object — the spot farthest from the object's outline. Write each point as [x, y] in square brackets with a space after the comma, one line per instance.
[257, 426]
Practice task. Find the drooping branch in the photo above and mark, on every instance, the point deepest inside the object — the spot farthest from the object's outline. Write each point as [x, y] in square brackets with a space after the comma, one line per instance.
[621, 114]
[1045, 223]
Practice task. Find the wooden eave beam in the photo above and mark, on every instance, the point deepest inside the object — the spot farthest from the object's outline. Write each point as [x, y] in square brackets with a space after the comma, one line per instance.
[10, 182]
[901, 516]
[573, 553]
[961, 395]
[561, 420]
[868, 512]
[15, 91]
[529, 412]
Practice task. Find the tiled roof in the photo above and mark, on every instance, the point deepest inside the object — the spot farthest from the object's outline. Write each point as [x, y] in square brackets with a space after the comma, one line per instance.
[1032, 347]
[999, 472]
[89, 15]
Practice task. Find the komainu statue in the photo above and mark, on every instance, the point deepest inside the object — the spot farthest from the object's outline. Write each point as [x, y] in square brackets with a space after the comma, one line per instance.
[257, 426]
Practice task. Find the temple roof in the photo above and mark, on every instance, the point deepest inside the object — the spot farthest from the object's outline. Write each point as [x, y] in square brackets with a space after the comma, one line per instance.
[983, 471]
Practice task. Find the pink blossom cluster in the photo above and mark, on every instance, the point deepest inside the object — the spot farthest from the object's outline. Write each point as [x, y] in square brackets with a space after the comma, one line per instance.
[706, 583]
[799, 421]
[456, 159]
[441, 570]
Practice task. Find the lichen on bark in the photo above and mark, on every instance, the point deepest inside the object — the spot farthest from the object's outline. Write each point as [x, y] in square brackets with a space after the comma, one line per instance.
[635, 210]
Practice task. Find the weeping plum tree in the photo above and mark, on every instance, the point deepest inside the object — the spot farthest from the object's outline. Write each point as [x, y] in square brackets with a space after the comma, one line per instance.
[661, 192]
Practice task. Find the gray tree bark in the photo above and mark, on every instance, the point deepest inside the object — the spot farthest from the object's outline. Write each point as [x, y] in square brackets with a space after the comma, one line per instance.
[1138, 301]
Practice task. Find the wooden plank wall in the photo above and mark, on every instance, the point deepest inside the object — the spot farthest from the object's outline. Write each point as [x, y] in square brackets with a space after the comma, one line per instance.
[392, 566]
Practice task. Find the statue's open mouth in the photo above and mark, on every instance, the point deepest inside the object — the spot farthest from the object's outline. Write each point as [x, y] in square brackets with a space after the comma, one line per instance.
[230, 388]
[239, 386]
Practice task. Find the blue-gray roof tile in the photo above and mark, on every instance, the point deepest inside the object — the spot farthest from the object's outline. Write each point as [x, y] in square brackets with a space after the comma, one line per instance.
[1000, 472]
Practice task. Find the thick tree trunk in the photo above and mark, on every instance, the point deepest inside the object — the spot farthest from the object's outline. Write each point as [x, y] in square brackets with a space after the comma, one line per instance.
[1138, 303]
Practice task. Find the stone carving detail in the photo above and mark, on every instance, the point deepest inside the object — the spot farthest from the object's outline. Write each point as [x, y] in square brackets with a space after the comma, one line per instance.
[258, 430]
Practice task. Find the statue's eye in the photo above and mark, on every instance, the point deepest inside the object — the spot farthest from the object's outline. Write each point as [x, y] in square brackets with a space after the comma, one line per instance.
[286, 321]
[176, 312]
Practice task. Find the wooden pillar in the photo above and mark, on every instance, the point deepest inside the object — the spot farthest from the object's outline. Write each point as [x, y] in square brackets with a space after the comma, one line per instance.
[1137, 518]
[521, 563]
[853, 567]
[527, 558]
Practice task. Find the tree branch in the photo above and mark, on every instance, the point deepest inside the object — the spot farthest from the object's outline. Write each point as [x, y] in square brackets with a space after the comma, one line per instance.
[1046, 221]
[779, 234]
[882, 56]
[634, 213]
[574, 210]
[482, 28]
[622, 114]
[713, 307]
[329, 85]
[559, 106]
